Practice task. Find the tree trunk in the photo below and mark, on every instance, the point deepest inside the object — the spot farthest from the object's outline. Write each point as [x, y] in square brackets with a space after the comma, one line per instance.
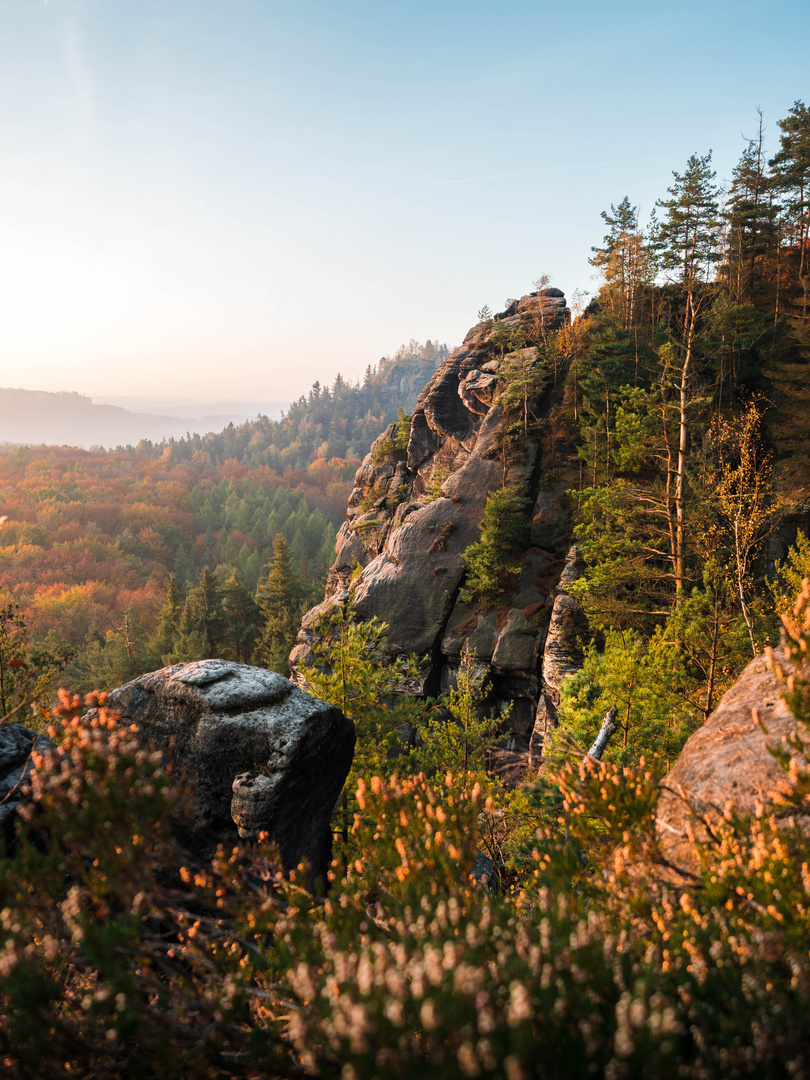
[682, 432]
[609, 727]
[713, 660]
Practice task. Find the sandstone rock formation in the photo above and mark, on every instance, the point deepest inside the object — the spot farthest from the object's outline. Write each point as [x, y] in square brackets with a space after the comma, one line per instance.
[262, 754]
[562, 653]
[727, 761]
[17, 744]
[413, 513]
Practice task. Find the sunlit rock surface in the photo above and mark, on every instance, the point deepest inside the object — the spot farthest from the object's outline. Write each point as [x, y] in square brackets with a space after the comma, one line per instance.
[262, 754]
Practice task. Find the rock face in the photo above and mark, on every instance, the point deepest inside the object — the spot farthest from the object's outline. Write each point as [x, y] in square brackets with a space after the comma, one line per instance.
[562, 654]
[262, 754]
[17, 744]
[727, 761]
[412, 514]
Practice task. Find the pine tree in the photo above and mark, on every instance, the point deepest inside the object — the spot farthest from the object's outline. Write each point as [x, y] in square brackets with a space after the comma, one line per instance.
[457, 742]
[354, 674]
[168, 624]
[689, 240]
[625, 262]
[495, 559]
[279, 599]
[241, 617]
[791, 167]
[689, 237]
[751, 223]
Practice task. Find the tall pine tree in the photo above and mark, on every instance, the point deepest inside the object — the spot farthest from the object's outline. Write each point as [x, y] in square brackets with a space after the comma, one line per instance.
[279, 598]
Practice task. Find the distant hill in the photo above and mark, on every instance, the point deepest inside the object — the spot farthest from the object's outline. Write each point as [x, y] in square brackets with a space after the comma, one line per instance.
[34, 417]
[340, 421]
[191, 408]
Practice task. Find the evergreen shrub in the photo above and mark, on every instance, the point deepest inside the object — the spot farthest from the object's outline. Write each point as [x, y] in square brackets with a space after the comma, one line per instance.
[495, 559]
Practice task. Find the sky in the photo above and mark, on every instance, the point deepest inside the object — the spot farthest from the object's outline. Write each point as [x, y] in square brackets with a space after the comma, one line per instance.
[229, 199]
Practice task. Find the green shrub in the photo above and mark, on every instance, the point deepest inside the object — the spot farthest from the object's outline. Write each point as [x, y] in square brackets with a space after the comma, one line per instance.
[434, 488]
[402, 433]
[495, 559]
[382, 451]
[117, 954]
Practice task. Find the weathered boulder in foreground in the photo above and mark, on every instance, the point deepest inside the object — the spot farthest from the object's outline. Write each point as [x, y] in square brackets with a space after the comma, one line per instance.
[17, 746]
[262, 754]
[727, 761]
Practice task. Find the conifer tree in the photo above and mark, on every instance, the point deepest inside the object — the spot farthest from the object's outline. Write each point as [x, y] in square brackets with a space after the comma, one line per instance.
[201, 630]
[689, 239]
[168, 624]
[791, 167]
[625, 261]
[354, 674]
[751, 222]
[279, 599]
[241, 616]
[458, 741]
[189, 642]
[495, 559]
[689, 236]
[402, 432]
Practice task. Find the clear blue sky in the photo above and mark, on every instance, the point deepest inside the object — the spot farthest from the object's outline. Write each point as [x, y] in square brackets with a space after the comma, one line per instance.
[228, 198]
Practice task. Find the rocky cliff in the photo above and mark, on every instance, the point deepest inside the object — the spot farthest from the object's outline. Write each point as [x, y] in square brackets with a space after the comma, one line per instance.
[414, 511]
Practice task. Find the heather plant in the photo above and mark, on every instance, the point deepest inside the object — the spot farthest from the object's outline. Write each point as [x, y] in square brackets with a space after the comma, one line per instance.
[117, 956]
[121, 950]
[600, 965]
[127, 953]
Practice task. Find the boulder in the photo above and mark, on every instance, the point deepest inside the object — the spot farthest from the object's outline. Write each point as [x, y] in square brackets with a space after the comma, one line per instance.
[17, 747]
[262, 754]
[727, 761]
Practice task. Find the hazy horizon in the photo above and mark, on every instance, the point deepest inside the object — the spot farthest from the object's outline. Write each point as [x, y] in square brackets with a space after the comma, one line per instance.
[232, 201]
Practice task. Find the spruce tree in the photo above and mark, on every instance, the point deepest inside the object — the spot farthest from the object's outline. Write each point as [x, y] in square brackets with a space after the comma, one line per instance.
[241, 618]
[201, 630]
[751, 223]
[689, 236]
[168, 624]
[791, 167]
[279, 599]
